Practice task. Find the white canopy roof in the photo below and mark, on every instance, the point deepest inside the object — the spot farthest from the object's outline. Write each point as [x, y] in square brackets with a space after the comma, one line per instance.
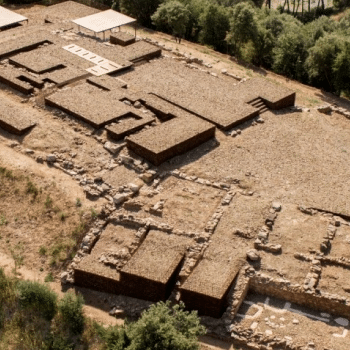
[102, 21]
[8, 17]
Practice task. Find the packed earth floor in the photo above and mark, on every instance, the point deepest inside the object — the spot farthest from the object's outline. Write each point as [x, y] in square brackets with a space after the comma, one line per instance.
[174, 176]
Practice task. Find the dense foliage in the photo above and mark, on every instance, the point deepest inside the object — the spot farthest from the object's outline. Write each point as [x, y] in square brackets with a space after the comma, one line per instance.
[32, 317]
[174, 16]
[313, 50]
[163, 327]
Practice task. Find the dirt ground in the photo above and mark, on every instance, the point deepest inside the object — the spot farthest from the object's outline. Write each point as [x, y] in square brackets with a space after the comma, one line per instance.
[294, 157]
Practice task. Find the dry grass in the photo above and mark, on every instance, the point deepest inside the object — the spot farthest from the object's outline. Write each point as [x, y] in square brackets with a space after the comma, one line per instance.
[39, 228]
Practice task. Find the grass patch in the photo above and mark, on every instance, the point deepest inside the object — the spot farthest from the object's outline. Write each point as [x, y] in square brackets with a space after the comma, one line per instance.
[17, 255]
[63, 216]
[42, 250]
[3, 220]
[49, 277]
[32, 189]
[81, 227]
[94, 213]
[7, 173]
[48, 202]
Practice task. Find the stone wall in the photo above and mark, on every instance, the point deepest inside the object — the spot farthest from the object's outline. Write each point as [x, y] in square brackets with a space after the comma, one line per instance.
[317, 300]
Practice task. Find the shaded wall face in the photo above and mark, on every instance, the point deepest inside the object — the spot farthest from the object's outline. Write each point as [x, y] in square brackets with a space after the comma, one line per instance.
[300, 297]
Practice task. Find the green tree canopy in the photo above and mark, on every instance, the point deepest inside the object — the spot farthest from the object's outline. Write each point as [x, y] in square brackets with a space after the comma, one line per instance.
[244, 27]
[172, 15]
[215, 24]
[320, 61]
[142, 10]
[341, 69]
[163, 327]
[290, 53]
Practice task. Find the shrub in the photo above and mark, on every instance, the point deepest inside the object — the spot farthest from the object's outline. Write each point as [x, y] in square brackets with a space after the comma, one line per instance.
[115, 337]
[94, 213]
[32, 189]
[49, 277]
[42, 250]
[63, 216]
[38, 297]
[167, 328]
[58, 342]
[71, 310]
[48, 202]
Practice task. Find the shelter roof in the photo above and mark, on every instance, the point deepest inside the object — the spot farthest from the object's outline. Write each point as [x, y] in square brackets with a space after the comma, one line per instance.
[102, 21]
[8, 17]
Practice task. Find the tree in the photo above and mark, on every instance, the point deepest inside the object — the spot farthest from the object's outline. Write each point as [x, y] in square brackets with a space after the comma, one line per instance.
[318, 28]
[71, 310]
[163, 327]
[321, 59]
[290, 53]
[215, 25]
[142, 10]
[243, 27]
[196, 8]
[173, 15]
[341, 70]
[38, 297]
[341, 4]
[344, 23]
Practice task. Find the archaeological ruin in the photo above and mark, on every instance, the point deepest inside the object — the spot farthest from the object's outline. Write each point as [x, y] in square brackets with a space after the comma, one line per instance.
[217, 190]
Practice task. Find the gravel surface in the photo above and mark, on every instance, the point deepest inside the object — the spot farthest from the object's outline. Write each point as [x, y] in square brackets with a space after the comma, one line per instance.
[89, 103]
[38, 61]
[217, 100]
[129, 125]
[113, 239]
[158, 257]
[107, 82]
[172, 138]
[122, 38]
[66, 75]
[141, 50]
[10, 75]
[13, 119]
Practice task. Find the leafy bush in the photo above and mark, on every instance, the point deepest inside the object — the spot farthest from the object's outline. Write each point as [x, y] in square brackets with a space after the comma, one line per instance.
[58, 342]
[173, 15]
[38, 297]
[115, 337]
[32, 189]
[71, 310]
[49, 277]
[165, 328]
[215, 23]
[142, 10]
